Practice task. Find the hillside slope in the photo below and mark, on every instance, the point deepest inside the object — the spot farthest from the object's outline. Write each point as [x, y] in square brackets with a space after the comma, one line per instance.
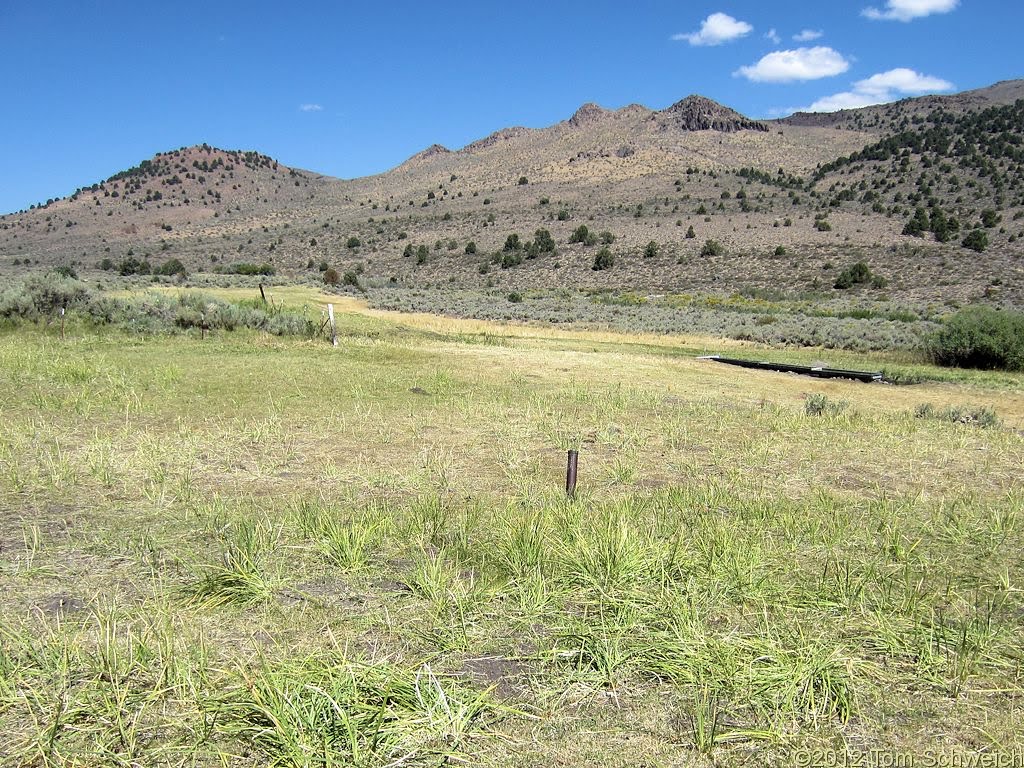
[787, 204]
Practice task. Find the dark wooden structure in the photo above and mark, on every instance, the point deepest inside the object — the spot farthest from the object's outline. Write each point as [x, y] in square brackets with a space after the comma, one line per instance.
[819, 372]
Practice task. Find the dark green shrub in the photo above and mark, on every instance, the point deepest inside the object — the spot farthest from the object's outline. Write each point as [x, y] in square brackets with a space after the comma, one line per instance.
[712, 248]
[245, 268]
[980, 337]
[543, 241]
[855, 274]
[651, 250]
[976, 240]
[353, 242]
[511, 259]
[134, 266]
[471, 247]
[512, 243]
[603, 260]
[170, 268]
[919, 224]
[580, 235]
[515, 297]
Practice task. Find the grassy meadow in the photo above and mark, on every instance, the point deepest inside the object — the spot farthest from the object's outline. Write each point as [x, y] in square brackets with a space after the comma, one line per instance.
[249, 550]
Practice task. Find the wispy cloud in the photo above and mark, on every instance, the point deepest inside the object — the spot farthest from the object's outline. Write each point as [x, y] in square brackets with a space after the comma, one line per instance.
[797, 64]
[310, 108]
[716, 29]
[773, 35]
[907, 10]
[881, 89]
[806, 35]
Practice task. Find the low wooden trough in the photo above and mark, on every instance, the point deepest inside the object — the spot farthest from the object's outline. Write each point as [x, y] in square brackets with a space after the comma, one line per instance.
[819, 372]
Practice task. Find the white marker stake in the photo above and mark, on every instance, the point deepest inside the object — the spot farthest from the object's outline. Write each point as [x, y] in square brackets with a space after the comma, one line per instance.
[334, 328]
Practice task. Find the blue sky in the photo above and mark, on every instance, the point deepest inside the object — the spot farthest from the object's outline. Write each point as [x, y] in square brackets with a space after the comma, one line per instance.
[353, 88]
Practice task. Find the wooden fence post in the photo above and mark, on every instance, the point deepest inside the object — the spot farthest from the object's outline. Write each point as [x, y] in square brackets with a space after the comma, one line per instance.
[570, 474]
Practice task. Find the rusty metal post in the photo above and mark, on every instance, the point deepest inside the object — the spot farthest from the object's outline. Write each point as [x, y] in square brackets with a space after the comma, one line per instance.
[570, 474]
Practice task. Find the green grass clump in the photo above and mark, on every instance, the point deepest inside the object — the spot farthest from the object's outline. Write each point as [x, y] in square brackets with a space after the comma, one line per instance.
[818, 404]
[241, 578]
[980, 417]
[330, 711]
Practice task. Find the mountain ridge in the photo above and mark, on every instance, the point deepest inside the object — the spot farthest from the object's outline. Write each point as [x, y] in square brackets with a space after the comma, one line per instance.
[819, 192]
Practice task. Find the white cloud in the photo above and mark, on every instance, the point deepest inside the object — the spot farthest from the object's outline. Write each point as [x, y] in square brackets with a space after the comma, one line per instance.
[906, 10]
[902, 80]
[772, 35]
[881, 89]
[798, 64]
[310, 108]
[842, 100]
[716, 29]
[806, 35]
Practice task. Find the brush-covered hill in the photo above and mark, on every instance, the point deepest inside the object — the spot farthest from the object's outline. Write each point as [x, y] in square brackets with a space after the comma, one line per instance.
[179, 196]
[945, 171]
[694, 197]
